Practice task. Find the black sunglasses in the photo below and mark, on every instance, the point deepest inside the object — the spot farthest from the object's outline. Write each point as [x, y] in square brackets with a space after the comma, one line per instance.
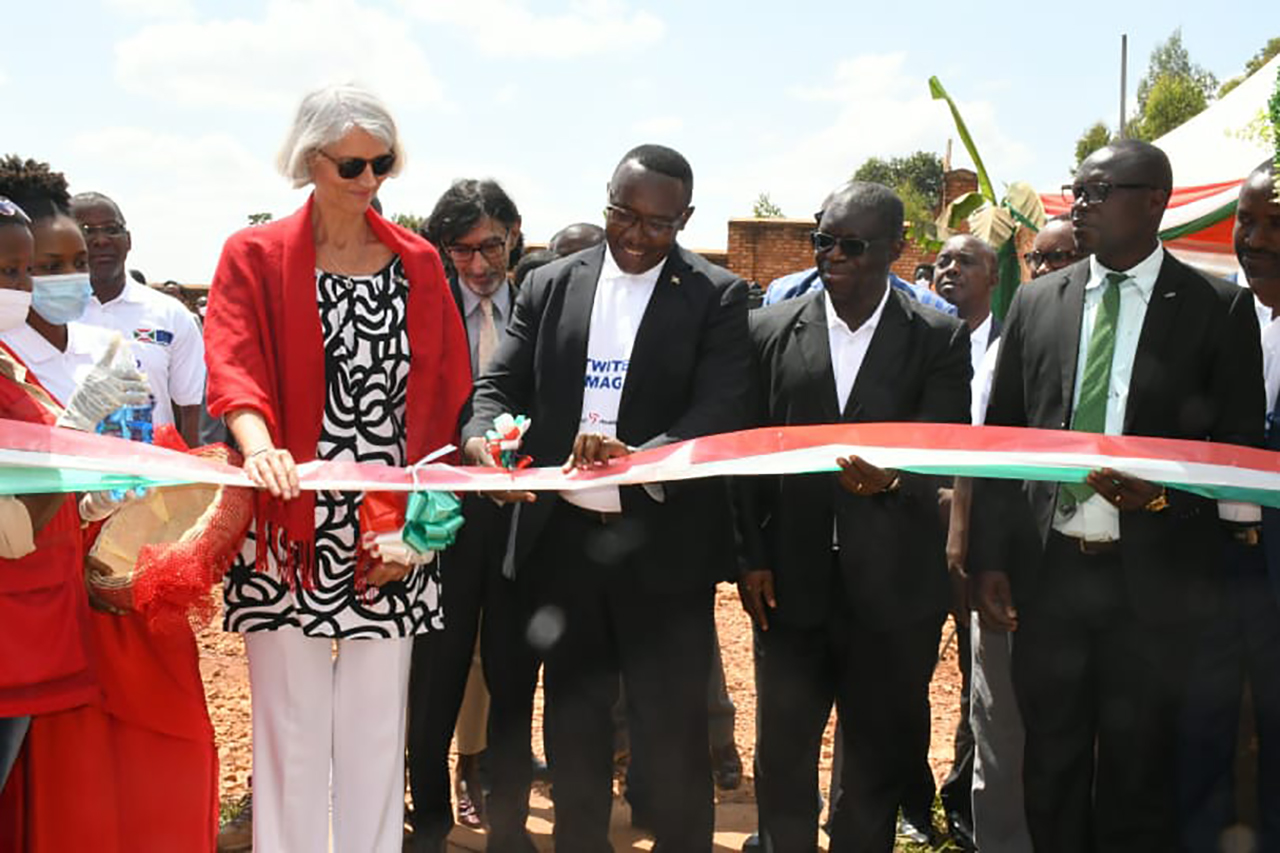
[350, 168]
[1096, 192]
[850, 247]
[1034, 259]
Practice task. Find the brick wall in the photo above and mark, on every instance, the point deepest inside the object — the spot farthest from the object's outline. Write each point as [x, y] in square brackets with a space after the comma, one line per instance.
[761, 250]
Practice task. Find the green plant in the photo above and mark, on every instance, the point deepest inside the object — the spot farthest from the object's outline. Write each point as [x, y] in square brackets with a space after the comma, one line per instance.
[764, 208]
[995, 221]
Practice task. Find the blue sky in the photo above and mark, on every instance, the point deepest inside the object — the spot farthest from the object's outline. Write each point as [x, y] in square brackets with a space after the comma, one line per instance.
[177, 107]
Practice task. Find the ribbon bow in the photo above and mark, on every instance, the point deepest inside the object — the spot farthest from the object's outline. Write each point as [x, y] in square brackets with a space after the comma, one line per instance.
[504, 441]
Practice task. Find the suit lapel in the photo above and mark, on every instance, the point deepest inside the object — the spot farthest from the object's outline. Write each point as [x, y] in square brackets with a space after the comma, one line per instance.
[814, 344]
[574, 327]
[885, 356]
[1162, 310]
[1071, 300]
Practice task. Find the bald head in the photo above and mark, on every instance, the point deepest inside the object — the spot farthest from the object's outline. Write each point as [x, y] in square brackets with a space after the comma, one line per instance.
[575, 238]
[1054, 247]
[877, 200]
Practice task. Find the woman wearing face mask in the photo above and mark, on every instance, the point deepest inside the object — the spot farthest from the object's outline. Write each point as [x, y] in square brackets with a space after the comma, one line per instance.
[55, 347]
[136, 769]
[42, 603]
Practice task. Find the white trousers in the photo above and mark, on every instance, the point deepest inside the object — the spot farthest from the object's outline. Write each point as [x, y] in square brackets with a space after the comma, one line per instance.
[999, 822]
[314, 713]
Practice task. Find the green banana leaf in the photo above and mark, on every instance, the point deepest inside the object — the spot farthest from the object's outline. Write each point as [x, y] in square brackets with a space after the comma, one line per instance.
[984, 183]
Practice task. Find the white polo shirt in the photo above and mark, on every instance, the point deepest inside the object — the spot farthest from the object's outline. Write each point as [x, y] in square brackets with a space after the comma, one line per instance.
[58, 371]
[167, 342]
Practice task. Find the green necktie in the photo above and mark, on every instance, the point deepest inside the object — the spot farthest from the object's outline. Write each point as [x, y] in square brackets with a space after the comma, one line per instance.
[1091, 409]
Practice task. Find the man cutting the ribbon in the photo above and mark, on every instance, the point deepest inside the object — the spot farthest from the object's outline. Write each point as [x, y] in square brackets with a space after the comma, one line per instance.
[633, 344]
[1104, 581]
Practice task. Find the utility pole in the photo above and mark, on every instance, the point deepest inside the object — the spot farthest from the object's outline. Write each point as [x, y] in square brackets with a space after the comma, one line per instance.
[1124, 74]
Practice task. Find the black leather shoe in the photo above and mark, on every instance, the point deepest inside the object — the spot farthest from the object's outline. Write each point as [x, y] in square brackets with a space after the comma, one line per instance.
[961, 832]
[726, 767]
[753, 844]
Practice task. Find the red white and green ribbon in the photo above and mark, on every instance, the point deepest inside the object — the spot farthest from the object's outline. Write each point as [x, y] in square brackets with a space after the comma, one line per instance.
[46, 459]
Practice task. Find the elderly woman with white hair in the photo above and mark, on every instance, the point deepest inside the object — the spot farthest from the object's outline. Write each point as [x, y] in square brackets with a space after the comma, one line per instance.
[331, 334]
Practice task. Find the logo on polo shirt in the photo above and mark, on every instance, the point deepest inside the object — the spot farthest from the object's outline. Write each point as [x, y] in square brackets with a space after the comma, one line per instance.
[162, 337]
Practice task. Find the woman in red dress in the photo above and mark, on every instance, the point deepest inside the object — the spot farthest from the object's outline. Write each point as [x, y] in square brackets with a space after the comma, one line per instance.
[134, 766]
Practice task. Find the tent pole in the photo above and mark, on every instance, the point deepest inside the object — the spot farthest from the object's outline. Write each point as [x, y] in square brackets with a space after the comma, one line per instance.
[1124, 72]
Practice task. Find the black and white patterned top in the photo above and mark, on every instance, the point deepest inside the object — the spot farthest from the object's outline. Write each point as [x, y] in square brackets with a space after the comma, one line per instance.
[366, 355]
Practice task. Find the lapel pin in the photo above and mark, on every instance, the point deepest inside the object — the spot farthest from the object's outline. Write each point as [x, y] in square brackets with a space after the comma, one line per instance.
[675, 279]
[1171, 294]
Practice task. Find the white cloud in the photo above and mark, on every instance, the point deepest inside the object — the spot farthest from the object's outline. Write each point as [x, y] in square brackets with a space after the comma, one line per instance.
[270, 62]
[878, 106]
[182, 195]
[659, 126]
[151, 8]
[507, 28]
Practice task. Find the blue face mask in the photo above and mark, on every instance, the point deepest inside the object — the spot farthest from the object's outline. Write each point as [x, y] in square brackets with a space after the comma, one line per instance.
[59, 299]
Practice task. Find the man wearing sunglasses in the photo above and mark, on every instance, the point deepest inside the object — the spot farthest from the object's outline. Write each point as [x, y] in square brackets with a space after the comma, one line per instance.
[165, 335]
[1120, 573]
[1054, 247]
[630, 345]
[846, 578]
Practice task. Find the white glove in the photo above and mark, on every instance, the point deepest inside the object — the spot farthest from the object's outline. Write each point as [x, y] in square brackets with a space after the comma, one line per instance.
[95, 506]
[391, 548]
[113, 382]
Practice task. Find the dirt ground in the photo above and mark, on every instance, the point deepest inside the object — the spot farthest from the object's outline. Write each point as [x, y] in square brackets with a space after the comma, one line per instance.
[226, 678]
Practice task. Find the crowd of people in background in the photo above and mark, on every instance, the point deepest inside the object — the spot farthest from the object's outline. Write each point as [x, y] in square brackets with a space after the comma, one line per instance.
[1108, 632]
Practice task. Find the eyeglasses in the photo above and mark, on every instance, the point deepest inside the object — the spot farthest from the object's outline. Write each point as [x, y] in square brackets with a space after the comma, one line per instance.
[1096, 192]
[350, 168]
[1035, 259]
[654, 226]
[850, 247]
[9, 208]
[111, 229]
[494, 251]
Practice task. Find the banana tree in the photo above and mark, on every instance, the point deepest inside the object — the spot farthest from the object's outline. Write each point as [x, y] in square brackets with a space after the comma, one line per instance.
[995, 221]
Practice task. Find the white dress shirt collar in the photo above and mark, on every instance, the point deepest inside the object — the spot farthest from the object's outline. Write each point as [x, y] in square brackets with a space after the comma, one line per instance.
[849, 348]
[868, 325]
[1143, 274]
[610, 270]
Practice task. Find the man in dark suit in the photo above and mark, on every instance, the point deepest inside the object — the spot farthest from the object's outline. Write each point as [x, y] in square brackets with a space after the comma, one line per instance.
[475, 225]
[630, 345]
[1241, 644]
[845, 575]
[1130, 341]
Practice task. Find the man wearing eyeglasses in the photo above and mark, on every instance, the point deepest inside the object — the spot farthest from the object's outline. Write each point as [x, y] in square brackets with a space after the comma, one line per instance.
[456, 685]
[1120, 572]
[845, 575]
[166, 337]
[630, 345]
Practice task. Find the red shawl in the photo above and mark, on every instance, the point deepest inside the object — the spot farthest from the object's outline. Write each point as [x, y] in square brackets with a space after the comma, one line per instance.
[264, 352]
